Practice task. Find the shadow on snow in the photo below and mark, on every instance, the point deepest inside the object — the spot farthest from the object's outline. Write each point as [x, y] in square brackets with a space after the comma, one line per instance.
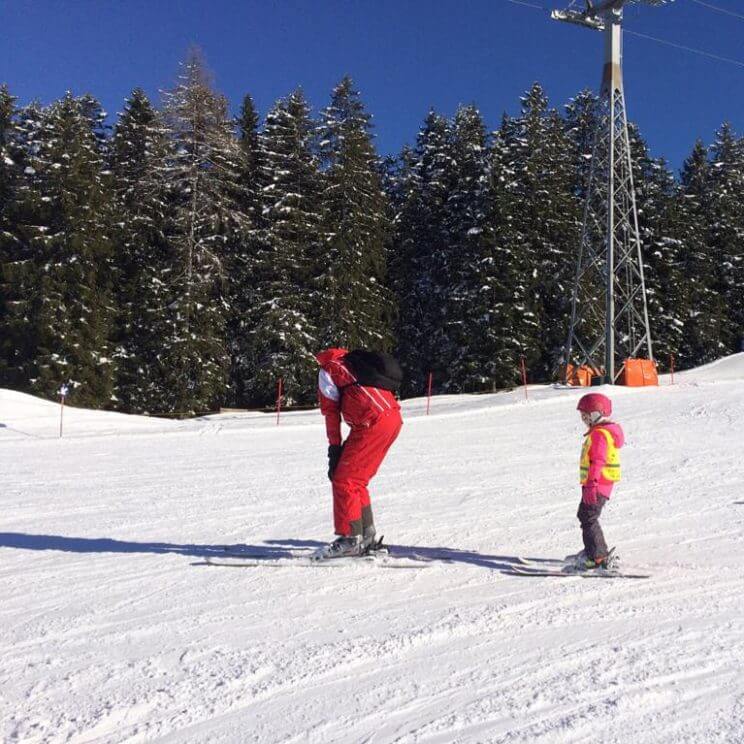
[270, 550]
[23, 541]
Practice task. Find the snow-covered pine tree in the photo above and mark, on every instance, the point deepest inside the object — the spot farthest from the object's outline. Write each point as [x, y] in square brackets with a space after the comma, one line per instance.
[61, 275]
[10, 171]
[143, 257]
[727, 231]
[418, 256]
[497, 326]
[19, 279]
[282, 338]
[580, 117]
[545, 228]
[477, 304]
[661, 241]
[241, 287]
[705, 308]
[8, 147]
[402, 188]
[203, 169]
[357, 309]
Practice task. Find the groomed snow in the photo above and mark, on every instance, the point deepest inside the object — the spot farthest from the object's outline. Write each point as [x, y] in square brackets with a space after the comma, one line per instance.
[114, 630]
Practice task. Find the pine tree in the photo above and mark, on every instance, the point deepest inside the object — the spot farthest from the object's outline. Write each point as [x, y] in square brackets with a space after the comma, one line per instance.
[241, 287]
[727, 231]
[282, 338]
[8, 166]
[661, 234]
[545, 227]
[496, 326]
[10, 170]
[204, 175]
[581, 115]
[419, 256]
[477, 304]
[701, 340]
[62, 275]
[356, 310]
[19, 278]
[402, 187]
[143, 255]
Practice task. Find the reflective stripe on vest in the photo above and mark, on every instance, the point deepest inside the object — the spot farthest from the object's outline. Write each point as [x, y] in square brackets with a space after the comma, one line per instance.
[611, 469]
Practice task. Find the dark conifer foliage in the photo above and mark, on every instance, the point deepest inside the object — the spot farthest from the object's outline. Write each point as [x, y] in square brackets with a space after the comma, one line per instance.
[580, 117]
[203, 168]
[60, 324]
[419, 255]
[705, 307]
[475, 268]
[545, 225]
[662, 233]
[144, 259]
[11, 168]
[190, 259]
[726, 237]
[356, 308]
[282, 334]
[242, 263]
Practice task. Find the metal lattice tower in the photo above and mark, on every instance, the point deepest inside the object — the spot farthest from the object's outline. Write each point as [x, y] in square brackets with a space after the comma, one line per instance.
[609, 312]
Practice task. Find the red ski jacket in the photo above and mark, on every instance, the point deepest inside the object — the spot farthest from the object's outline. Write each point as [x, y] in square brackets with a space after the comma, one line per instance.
[339, 396]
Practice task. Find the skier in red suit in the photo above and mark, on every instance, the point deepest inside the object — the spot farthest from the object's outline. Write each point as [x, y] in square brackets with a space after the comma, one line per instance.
[373, 415]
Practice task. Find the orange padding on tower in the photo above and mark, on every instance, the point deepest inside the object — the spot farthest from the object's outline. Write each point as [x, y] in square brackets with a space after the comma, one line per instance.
[640, 373]
[580, 377]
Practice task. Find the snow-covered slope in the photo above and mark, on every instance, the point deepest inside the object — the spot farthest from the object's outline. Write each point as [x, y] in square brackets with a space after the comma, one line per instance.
[113, 630]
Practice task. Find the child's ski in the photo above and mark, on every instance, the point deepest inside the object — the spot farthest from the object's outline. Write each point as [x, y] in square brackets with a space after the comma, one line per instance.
[594, 573]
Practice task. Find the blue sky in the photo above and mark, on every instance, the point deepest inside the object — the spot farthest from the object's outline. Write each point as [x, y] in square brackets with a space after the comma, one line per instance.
[405, 56]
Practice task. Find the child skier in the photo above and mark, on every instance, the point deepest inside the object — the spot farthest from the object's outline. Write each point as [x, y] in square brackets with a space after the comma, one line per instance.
[359, 386]
[599, 471]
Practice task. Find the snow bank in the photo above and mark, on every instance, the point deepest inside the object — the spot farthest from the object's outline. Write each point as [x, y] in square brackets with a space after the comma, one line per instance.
[24, 416]
[722, 370]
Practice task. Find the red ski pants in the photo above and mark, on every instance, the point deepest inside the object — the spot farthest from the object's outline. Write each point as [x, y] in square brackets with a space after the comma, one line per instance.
[364, 451]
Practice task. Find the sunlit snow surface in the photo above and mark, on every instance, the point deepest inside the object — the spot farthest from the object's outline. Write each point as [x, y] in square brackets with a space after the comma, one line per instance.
[113, 630]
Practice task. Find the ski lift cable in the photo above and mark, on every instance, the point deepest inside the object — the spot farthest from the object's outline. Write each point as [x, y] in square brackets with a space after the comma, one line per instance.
[529, 5]
[674, 45]
[692, 50]
[718, 9]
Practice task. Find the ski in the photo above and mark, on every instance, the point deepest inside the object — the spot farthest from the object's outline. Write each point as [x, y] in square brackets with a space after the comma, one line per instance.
[595, 573]
[304, 562]
[539, 562]
[562, 564]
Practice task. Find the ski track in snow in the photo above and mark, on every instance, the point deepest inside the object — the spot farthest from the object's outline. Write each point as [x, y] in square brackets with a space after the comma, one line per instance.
[112, 631]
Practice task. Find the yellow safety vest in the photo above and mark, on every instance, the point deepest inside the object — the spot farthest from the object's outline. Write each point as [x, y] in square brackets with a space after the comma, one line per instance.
[611, 469]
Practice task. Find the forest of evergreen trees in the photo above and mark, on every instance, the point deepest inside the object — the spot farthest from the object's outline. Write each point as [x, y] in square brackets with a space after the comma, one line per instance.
[183, 260]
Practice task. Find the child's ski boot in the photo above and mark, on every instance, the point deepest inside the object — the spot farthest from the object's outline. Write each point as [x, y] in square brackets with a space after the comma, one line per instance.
[607, 562]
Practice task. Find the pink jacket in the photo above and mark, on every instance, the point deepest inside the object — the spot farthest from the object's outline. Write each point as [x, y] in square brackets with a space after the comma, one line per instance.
[598, 456]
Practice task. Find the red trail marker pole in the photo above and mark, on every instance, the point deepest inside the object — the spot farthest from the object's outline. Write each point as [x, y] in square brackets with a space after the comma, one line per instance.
[428, 394]
[671, 366]
[278, 400]
[524, 376]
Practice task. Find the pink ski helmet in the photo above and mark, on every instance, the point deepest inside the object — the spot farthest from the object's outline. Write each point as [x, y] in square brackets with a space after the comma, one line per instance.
[595, 402]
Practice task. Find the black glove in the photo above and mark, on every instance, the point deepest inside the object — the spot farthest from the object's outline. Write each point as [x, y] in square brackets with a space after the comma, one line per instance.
[334, 455]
